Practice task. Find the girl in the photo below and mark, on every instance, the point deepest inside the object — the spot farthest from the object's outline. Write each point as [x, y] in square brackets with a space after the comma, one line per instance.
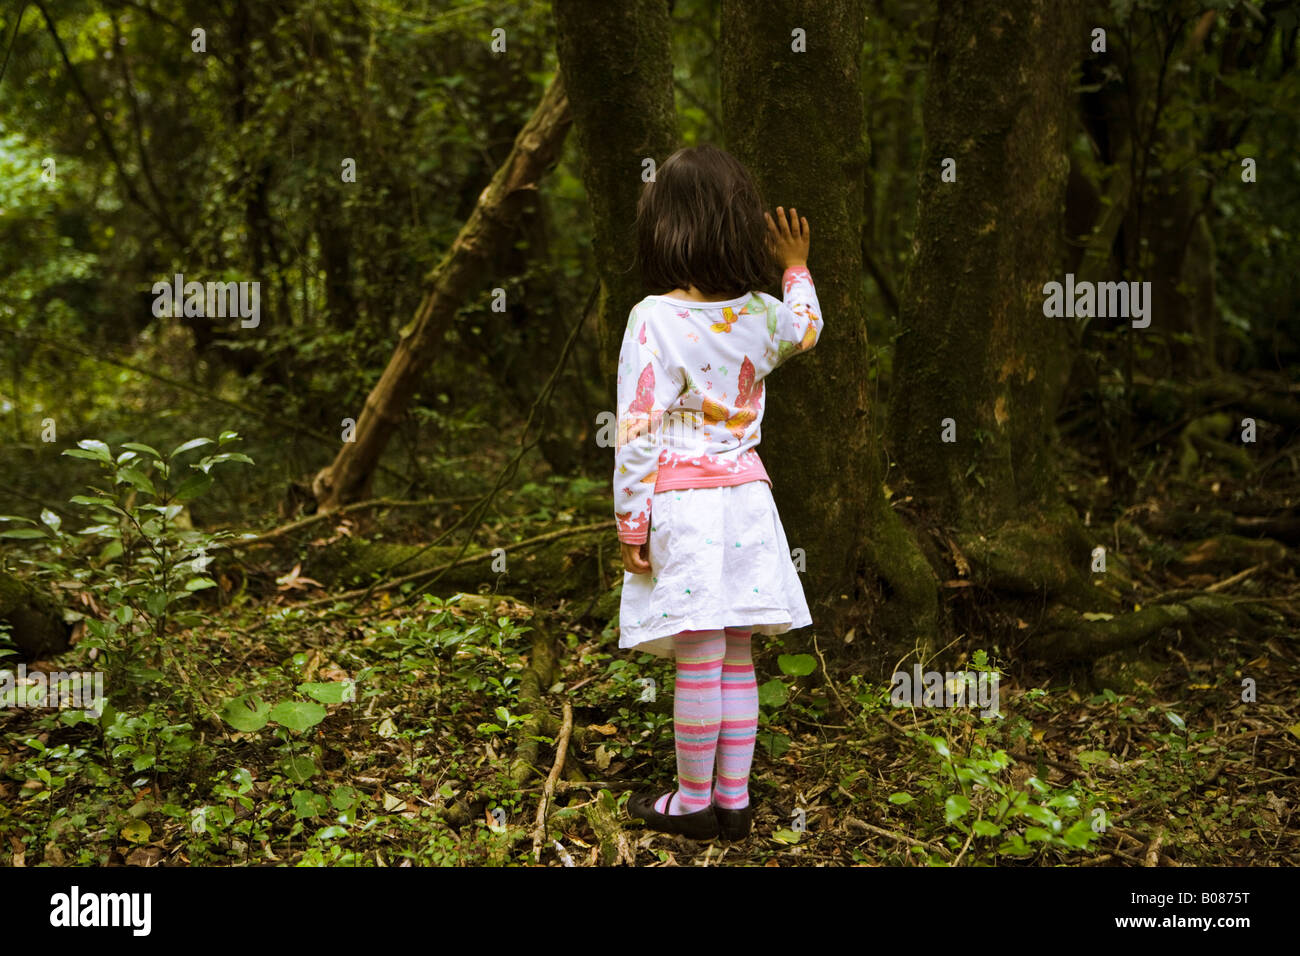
[706, 557]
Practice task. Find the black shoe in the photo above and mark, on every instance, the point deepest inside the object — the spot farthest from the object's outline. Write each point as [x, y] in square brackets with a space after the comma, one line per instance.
[700, 825]
[735, 824]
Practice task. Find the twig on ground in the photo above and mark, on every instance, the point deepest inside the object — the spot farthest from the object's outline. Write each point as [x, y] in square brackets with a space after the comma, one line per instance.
[561, 750]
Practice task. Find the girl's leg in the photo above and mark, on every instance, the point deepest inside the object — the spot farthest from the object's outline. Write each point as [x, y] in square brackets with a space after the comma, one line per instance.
[739, 721]
[697, 716]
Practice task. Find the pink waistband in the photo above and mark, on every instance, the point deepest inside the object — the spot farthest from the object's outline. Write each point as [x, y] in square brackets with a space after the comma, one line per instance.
[708, 471]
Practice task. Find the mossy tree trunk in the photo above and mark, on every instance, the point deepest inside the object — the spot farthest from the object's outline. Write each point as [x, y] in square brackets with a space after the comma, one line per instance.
[795, 118]
[617, 61]
[35, 623]
[975, 346]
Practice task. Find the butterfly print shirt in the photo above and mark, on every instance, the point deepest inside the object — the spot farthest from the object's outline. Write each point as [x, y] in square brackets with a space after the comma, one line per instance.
[690, 391]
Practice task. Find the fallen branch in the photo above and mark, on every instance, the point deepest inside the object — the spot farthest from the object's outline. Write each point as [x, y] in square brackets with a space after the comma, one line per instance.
[561, 751]
[896, 837]
[301, 523]
[361, 593]
[462, 271]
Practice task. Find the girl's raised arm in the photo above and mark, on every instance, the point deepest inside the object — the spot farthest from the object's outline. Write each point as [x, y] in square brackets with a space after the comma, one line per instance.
[799, 322]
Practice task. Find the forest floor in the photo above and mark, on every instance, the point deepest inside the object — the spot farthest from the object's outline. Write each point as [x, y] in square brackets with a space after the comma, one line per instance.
[286, 727]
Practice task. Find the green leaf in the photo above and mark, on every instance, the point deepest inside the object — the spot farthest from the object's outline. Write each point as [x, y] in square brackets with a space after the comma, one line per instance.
[137, 831]
[774, 744]
[246, 713]
[79, 453]
[50, 519]
[345, 798]
[1089, 757]
[307, 804]
[330, 692]
[1176, 720]
[199, 583]
[93, 500]
[136, 446]
[1079, 834]
[297, 714]
[789, 837]
[300, 769]
[156, 602]
[92, 449]
[901, 799]
[955, 807]
[24, 533]
[773, 694]
[939, 744]
[796, 665]
[193, 486]
[986, 828]
[1042, 815]
[137, 479]
[1037, 835]
[192, 443]
[142, 762]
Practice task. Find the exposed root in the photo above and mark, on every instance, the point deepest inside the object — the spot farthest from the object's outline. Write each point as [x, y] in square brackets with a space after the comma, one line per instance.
[1070, 636]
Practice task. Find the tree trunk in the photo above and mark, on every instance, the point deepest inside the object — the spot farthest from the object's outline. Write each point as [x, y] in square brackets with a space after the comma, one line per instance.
[975, 346]
[465, 265]
[795, 119]
[36, 626]
[617, 62]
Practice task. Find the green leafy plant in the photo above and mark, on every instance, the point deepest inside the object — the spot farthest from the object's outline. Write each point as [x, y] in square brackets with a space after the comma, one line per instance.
[149, 559]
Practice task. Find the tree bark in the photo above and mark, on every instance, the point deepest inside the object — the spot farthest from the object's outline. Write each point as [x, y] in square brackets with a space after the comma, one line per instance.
[464, 266]
[36, 626]
[617, 62]
[975, 345]
[796, 120]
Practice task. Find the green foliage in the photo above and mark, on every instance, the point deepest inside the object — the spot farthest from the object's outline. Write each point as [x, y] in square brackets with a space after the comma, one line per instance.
[149, 564]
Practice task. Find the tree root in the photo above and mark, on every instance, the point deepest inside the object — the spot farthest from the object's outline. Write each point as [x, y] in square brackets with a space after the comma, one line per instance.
[1068, 636]
[1045, 555]
[910, 617]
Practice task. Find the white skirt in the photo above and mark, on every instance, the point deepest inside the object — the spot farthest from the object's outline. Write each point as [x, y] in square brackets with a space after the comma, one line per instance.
[718, 558]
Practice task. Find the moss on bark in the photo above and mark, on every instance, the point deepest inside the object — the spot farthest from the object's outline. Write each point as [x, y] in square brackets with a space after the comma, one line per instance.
[818, 438]
[617, 61]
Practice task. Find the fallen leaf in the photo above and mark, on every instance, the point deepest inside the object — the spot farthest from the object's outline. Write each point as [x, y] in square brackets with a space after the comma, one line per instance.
[294, 580]
[137, 831]
[606, 729]
[144, 856]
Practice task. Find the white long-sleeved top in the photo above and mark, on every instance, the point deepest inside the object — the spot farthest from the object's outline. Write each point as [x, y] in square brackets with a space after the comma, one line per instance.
[690, 391]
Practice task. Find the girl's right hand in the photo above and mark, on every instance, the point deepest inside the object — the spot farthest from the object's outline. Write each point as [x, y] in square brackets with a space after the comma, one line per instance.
[790, 237]
[636, 557]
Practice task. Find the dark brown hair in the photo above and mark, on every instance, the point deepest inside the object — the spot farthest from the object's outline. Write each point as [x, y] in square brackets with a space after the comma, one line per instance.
[700, 223]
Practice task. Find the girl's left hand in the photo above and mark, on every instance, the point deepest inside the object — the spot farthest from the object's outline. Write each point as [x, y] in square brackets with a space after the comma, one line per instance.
[636, 557]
